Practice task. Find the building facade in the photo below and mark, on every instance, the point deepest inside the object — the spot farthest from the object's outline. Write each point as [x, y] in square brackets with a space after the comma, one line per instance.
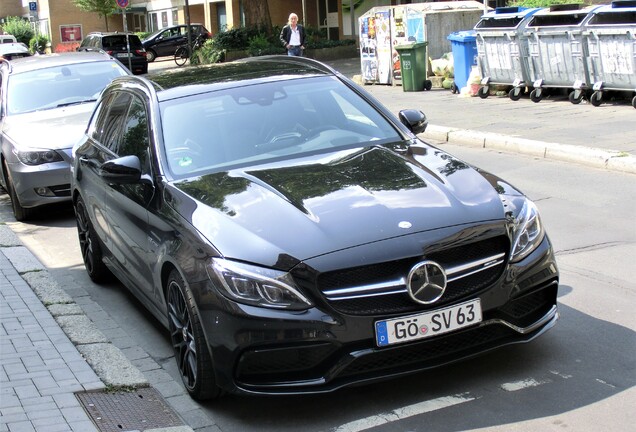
[66, 24]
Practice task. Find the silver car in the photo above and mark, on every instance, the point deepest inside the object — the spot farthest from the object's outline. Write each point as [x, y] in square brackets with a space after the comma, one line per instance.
[45, 104]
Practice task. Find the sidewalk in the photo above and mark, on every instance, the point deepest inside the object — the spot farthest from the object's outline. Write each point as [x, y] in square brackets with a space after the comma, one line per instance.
[603, 137]
[44, 367]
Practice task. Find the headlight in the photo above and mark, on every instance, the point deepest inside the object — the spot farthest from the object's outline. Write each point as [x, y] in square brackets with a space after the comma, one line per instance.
[528, 231]
[38, 157]
[258, 286]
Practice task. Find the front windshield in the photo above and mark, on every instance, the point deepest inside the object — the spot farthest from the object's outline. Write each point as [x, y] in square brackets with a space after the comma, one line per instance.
[59, 86]
[259, 123]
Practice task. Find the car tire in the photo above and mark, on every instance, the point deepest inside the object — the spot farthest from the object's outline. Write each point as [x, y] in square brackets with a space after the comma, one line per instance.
[20, 213]
[89, 245]
[188, 342]
[151, 55]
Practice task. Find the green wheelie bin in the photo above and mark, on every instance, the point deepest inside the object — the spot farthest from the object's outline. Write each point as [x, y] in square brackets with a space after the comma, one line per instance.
[413, 66]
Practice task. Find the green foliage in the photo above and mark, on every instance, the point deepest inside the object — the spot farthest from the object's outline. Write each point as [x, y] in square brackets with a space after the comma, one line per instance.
[102, 7]
[38, 43]
[208, 53]
[257, 44]
[143, 35]
[544, 3]
[235, 39]
[20, 28]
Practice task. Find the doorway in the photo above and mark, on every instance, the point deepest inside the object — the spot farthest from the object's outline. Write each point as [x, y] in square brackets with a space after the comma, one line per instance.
[328, 18]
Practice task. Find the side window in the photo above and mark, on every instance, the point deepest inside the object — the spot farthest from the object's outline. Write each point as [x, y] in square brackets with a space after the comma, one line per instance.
[134, 139]
[97, 127]
[116, 119]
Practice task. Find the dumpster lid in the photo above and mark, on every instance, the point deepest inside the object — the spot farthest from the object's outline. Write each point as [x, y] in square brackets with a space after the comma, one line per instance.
[505, 19]
[412, 45]
[562, 17]
[610, 15]
[463, 36]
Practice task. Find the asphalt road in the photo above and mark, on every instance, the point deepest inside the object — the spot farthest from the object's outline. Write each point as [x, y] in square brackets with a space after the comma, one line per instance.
[580, 376]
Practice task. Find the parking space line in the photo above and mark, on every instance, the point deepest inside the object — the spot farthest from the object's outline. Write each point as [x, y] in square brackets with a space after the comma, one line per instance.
[404, 412]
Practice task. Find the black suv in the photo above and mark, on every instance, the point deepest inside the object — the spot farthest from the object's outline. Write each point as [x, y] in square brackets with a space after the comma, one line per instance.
[165, 41]
[114, 44]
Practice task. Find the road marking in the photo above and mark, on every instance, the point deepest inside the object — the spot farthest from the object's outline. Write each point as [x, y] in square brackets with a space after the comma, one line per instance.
[523, 384]
[562, 375]
[402, 413]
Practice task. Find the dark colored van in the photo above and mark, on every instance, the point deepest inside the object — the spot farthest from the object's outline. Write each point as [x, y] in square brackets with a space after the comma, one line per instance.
[114, 44]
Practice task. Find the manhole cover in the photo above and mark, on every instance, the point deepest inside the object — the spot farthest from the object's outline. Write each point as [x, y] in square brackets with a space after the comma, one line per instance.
[140, 409]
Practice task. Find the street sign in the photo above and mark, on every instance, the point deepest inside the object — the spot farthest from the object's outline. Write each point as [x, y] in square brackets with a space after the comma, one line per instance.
[33, 6]
[122, 3]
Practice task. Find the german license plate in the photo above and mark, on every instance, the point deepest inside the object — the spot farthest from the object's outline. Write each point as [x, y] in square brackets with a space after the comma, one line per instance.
[428, 324]
[123, 55]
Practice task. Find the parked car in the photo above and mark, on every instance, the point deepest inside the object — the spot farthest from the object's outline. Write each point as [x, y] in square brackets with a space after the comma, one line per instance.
[45, 104]
[12, 50]
[126, 48]
[7, 38]
[165, 41]
[295, 236]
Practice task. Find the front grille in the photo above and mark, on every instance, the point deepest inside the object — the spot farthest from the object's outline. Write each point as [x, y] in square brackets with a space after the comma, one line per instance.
[283, 364]
[429, 353]
[381, 288]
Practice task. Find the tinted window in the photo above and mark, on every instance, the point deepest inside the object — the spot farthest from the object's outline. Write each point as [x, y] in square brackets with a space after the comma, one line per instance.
[264, 122]
[118, 42]
[134, 139]
[114, 122]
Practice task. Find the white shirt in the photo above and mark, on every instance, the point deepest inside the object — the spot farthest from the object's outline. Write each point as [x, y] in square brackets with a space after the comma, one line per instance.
[294, 39]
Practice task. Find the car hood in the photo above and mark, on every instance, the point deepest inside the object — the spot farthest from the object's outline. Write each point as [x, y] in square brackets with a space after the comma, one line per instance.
[333, 201]
[57, 128]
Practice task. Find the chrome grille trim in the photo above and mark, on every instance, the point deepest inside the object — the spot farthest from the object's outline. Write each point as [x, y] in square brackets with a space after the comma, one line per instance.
[398, 286]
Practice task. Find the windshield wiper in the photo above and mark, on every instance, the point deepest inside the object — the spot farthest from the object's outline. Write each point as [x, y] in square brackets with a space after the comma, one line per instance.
[75, 103]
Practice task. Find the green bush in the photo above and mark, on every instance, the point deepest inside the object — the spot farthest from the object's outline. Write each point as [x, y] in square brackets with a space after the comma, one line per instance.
[20, 28]
[37, 44]
[143, 35]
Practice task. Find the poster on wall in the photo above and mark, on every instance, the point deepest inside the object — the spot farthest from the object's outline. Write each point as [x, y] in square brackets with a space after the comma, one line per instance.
[383, 43]
[368, 52]
[71, 33]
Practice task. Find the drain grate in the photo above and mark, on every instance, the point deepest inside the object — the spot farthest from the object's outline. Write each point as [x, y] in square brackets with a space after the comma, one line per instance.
[137, 410]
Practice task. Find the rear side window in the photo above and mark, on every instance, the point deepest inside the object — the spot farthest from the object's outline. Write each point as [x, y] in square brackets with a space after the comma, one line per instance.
[118, 42]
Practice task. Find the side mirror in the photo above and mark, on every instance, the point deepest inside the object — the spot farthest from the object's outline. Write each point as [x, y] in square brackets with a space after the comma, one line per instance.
[123, 170]
[415, 120]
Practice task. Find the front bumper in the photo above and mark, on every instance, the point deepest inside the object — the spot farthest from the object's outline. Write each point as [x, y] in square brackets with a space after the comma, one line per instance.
[258, 351]
[55, 177]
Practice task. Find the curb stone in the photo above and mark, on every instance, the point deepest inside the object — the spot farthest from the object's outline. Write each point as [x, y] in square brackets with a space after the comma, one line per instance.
[590, 156]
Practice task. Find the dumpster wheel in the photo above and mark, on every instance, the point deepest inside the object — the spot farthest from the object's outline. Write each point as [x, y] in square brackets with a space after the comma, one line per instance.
[535, 95]
[428, 84]
[576, 96]
[454, 89]
[634, 101]
[597, 98]
[515, 93]
[483, 92]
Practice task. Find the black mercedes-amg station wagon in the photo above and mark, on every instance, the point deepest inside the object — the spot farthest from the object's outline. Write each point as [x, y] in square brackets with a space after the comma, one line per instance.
[297, 237]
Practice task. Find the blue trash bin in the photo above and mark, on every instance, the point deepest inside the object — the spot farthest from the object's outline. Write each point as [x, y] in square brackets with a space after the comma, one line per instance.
[464, 47]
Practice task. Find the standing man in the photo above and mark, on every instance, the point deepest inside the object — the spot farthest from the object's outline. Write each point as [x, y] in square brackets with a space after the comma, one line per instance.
[293, 36]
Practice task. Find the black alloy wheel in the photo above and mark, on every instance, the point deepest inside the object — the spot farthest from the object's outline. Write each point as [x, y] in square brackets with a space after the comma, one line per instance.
[89, 245]
[188, 343]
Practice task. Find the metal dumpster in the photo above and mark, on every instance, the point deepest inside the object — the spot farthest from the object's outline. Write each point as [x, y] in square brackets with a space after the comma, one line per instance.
[502, 49]
[610, 33]
[557, 53]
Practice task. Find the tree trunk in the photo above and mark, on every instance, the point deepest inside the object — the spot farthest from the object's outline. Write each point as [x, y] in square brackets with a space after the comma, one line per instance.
[106, 21]
[257, 14]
